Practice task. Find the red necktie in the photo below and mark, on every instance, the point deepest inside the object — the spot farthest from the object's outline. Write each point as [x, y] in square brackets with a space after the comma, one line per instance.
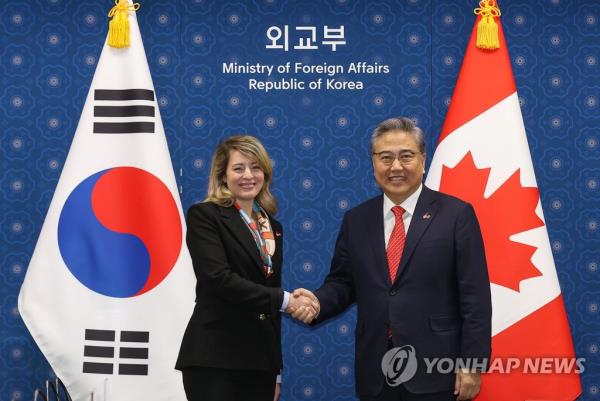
[396, 242]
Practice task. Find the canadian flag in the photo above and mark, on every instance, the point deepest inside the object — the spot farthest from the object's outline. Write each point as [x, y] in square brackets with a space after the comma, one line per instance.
[483, 158]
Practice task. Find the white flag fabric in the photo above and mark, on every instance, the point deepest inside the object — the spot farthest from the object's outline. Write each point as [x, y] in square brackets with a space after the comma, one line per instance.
[110, 286]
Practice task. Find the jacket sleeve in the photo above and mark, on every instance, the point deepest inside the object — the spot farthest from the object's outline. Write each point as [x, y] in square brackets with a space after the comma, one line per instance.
[473, 287]
[337, 292]
[212, 266]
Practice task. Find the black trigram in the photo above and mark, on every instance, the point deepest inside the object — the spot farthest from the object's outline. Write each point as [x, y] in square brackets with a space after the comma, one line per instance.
[100, 352]
[116, 111]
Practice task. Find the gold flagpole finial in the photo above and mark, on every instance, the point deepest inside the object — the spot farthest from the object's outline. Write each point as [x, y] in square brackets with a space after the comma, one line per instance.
[487, 29]
[118, 27]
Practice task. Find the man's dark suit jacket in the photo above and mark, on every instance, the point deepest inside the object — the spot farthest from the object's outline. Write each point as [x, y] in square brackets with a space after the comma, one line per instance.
[236, 323]
[439, 303]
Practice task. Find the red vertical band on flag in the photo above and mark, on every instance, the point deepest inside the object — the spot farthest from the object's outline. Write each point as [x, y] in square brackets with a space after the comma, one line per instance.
[540, 335]
[485, 78]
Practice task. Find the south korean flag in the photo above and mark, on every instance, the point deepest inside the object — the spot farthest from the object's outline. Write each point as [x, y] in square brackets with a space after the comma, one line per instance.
[110, 286]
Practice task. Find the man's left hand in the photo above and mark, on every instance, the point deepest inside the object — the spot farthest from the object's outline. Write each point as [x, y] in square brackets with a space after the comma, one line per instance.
[467, 385]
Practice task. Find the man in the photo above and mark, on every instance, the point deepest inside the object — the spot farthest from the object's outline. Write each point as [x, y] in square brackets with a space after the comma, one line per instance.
[413, 260]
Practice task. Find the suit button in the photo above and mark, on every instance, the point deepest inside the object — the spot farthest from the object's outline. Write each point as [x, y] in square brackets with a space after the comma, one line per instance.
[262, 316]
[393, 292]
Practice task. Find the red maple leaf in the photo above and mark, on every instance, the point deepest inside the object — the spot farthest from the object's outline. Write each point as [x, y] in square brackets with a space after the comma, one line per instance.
[509, 210]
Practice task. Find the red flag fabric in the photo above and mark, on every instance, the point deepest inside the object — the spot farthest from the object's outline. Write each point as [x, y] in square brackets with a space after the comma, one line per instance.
[483, 158]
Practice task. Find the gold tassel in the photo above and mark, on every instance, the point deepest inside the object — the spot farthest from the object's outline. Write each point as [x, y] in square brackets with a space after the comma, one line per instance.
[487, 28]
[118, 27]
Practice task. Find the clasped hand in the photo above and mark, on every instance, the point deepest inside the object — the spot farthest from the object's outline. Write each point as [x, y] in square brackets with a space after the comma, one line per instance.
[303, 305]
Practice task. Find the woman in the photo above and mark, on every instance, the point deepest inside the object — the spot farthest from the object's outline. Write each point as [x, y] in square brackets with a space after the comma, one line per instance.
[231, 349]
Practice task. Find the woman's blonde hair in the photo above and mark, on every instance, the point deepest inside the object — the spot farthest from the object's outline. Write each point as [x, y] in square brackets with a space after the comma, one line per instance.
[250, 147]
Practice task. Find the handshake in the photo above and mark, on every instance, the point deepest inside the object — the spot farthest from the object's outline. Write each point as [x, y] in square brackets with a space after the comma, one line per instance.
[303, 305]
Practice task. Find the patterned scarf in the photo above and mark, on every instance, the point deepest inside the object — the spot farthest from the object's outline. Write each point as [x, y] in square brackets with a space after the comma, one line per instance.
[262, 233]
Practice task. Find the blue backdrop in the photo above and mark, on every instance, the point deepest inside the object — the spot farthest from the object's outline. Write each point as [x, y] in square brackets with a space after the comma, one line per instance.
[317, 139]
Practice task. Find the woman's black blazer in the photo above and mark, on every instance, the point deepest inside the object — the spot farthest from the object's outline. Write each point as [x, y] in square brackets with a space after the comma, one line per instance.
[236, 323]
